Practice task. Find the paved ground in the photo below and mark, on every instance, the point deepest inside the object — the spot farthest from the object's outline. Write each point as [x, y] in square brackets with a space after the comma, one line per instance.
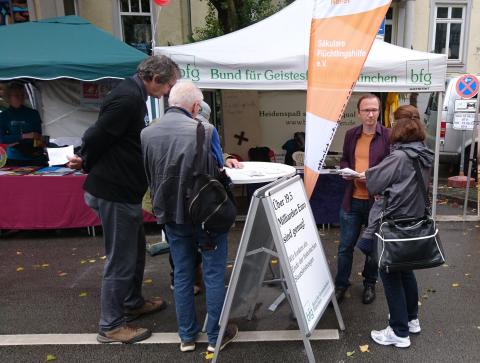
[58, 292]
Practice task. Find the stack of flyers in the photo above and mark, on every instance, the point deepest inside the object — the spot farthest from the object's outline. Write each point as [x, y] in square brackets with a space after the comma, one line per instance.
[54, 171]
[19, 170]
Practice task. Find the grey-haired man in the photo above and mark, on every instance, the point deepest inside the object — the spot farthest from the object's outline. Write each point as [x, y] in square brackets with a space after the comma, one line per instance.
[111, 154]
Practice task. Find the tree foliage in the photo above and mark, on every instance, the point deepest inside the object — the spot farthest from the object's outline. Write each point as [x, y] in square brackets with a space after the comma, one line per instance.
[226, 16]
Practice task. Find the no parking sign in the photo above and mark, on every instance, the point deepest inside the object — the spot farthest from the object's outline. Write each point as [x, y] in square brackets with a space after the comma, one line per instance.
[467, 86]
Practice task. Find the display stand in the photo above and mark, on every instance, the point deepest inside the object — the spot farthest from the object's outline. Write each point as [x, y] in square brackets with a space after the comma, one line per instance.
[280, 224]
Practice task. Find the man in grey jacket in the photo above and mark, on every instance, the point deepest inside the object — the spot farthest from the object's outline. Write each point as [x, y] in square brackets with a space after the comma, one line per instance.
[169, 148]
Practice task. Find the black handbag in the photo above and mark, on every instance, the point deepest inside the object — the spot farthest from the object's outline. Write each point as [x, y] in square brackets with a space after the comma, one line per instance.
[409, 243]
[211, 204]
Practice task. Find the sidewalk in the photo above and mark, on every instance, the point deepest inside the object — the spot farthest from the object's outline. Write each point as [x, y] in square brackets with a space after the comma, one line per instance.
[456, 195]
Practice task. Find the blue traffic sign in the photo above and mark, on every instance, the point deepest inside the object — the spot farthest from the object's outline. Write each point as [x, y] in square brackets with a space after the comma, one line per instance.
[467, 86]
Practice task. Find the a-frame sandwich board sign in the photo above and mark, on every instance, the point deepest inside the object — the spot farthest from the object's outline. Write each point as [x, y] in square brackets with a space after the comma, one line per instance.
[280, 223]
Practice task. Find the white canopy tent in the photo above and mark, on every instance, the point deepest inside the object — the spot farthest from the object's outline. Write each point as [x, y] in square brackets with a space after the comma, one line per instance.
[273, 55]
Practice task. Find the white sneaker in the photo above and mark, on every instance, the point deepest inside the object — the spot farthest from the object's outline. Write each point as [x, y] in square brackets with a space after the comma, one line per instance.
[414, 326]
[388, 337]
[187, 346]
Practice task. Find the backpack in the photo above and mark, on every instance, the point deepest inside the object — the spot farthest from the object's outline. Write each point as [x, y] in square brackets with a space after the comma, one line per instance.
[211, 204]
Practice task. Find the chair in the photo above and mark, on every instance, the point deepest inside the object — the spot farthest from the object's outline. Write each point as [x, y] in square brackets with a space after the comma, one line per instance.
[261, 153]
[298, 157]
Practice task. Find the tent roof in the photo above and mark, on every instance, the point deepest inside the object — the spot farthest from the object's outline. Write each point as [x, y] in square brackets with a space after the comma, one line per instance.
[64, 47]
[276, 49]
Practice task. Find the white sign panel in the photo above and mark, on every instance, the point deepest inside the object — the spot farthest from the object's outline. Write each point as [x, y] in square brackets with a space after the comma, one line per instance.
[307, 264]
[463, 121]
[465, 105]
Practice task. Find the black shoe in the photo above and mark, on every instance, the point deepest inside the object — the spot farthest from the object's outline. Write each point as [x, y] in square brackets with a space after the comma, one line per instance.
[368, 294]
[340, 294]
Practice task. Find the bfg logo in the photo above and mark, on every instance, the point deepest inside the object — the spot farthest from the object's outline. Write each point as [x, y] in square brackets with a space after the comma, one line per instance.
[188, 69]
[418, 72]
[188, 72]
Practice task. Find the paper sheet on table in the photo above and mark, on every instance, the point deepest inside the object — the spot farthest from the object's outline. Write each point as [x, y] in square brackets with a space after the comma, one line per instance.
[58, 155]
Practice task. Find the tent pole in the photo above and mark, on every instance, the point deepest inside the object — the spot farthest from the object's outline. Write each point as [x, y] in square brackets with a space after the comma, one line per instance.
[437, 155]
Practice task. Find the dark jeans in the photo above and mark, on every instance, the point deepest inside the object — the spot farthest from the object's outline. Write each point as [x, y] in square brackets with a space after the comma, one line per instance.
[401, 292]
[350, 227]
[125, 247]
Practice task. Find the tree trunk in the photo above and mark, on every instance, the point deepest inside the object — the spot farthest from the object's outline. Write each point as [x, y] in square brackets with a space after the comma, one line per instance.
[227, 14]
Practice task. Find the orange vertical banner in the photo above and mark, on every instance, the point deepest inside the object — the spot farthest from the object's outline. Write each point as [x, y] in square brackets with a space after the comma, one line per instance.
[341, 36]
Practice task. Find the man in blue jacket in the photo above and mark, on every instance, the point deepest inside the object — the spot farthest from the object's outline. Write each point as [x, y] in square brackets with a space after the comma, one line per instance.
[364, 147]
[111, 154]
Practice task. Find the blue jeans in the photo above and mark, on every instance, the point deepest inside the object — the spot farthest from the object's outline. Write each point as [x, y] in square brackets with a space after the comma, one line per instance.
[183, 240]
[350, 227]
[401, 292]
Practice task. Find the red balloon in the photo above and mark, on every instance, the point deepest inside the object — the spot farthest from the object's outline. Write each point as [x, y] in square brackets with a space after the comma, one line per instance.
[162, 2]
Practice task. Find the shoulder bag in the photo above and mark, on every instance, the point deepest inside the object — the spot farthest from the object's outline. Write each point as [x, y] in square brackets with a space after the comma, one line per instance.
[409, 243]
[211, 204]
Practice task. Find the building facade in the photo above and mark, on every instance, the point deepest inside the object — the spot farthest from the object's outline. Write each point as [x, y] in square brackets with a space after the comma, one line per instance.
[136, 22]
[438, 26]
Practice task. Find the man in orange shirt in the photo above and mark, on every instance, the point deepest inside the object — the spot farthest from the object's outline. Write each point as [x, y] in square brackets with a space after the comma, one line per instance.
[364, 146]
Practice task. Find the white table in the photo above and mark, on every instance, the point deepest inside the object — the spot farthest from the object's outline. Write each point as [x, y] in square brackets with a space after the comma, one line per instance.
[259, 172]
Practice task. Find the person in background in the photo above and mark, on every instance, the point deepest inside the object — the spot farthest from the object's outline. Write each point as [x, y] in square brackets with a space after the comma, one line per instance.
[395, 179]
[21, 130]
[169, 149]
[230, 161]
[111, 153]
[364, 147]
[293, 145]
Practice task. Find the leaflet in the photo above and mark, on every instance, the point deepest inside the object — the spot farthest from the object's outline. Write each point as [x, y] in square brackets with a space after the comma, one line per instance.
[58, 155]
[346, 172]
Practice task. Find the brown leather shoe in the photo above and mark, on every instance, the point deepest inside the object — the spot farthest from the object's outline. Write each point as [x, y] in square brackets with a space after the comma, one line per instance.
[150, 306]
[124, 334]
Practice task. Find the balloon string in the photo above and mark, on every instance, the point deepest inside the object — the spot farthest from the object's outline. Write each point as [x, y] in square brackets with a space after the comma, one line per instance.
[159, 9]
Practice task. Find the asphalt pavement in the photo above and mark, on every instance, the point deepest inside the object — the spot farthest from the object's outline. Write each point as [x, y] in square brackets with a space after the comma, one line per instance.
[50, 284]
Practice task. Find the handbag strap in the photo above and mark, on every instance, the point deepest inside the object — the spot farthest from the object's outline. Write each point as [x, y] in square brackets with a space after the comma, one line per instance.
[198, 159]
[420, 181]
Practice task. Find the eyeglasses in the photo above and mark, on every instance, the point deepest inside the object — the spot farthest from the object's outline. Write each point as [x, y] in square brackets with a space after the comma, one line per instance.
[369, 110]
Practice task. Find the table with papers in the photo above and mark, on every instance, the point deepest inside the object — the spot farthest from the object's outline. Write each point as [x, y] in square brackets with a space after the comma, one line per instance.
[46, 202]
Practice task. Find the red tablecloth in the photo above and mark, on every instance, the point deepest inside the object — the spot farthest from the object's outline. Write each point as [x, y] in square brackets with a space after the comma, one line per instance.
[45, 202]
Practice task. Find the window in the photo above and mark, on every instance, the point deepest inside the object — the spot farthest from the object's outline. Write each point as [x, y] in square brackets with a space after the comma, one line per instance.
[136, 24]
[70, 7]
[13, 11]
[390, 34]
[449, 30]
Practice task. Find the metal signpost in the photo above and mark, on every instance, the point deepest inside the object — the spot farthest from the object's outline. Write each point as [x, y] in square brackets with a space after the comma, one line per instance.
[464, 119]
[280, 224]
[472, 147]
[467, 87]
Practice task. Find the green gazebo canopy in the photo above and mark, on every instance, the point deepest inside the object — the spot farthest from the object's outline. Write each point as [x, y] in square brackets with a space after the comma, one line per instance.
[64, 47]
